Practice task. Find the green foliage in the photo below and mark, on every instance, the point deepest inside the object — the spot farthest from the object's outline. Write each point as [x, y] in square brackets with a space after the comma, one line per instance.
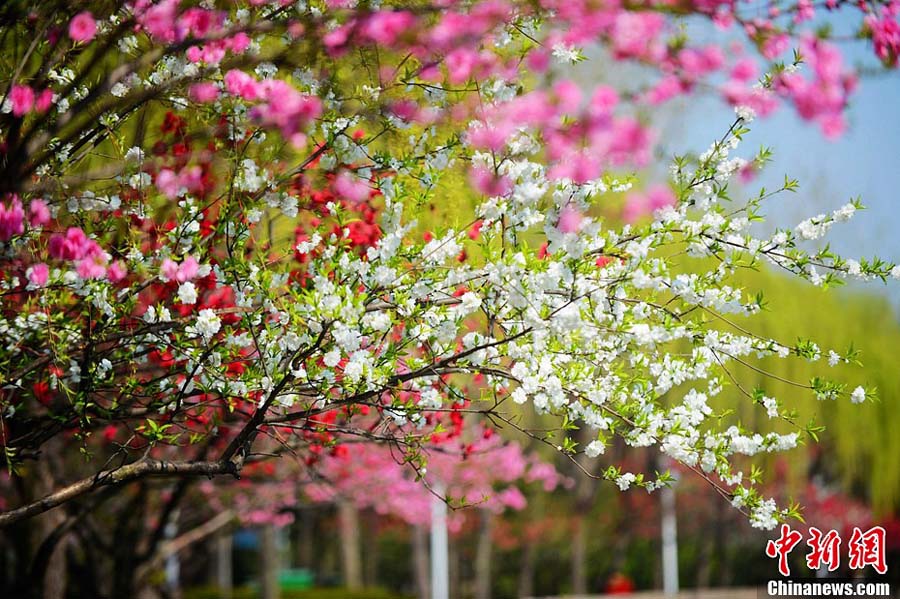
[862, 328]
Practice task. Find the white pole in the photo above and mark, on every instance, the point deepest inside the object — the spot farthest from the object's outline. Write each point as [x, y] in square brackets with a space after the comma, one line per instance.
[669, 542]
[440, 573]
[172, 567]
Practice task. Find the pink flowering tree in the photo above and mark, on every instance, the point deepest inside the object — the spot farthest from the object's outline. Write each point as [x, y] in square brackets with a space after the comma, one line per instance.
[211, 258]
[484, 473]
[487, 472]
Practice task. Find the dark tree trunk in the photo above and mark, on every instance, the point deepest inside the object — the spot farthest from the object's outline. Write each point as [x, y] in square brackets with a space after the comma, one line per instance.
[370, 548]
[483, 554]
[704, 561]
[224, 563]
[530, 548]
[526, 570]
[420, 561]
[585, 489]
[721, 548]
[125, 539]
[306, 523]
[351, 564]
[453, 567]
[269, 565]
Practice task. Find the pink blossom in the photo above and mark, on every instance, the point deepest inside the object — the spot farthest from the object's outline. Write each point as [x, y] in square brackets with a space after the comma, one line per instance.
[696, 63]
[336, 39]
[169, 269]
[569, 220]
[747, 172]
[543, 472]
[351, 187]
[191, 178]
[211, 53]
[455, 28]
[188, 269]
[82, 27]
[660, 196]
[116, 272]
[630, 142]
[406, 110]
[204, 92]
[74, 245]
[44, 101]
[239, 83]
[167, 183]
[285, 108]
[92, 267]
[484, 472]
[538, 60]
[201, 22]
[488, 183]
[11, 219]
[804, 12]
[298, 140]
[491, 136]
[38, 274]
[744, 70]
[761, 100]
[723, 20]
[461, 64]
[22, 99]
[568, 96]
[386, 26]
[38, 213]
[665, 89]
[159, 19]
[579, 167]
[512, 498]
[239, 42]
[885, 37]
[637, 35]
[531, 109]
[775, 45]
[833, 125]
[823, 97]
[638, 204]
[604, 99]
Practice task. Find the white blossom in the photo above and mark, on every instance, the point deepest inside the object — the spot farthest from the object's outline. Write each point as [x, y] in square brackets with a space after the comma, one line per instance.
[187, 293]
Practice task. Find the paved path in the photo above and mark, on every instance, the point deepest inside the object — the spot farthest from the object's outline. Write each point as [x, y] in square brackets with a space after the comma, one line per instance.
[725, 593]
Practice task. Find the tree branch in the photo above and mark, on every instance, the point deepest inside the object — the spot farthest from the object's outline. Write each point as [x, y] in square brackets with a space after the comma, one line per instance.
[217, 522]
[116, 477]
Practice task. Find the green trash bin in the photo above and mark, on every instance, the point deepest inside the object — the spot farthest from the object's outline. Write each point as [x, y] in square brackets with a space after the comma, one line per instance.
[295, 580]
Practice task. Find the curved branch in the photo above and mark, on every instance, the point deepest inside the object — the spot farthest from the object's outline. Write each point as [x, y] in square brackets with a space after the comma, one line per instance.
[174, 546]
[115, 477]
